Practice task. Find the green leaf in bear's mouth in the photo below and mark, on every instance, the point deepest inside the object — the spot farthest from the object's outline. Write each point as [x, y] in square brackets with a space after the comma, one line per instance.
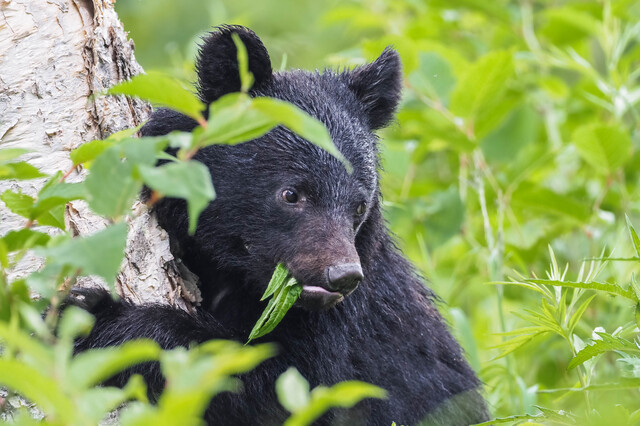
[285, 291]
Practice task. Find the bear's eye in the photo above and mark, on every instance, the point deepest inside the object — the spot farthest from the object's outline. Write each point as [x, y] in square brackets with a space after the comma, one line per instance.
[361, 209]
[290, 196]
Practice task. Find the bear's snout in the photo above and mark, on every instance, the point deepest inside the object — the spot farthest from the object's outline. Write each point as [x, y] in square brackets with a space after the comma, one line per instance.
[344, 278]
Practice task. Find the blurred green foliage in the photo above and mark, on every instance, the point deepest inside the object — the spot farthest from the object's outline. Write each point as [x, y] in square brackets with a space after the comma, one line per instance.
[519, 129]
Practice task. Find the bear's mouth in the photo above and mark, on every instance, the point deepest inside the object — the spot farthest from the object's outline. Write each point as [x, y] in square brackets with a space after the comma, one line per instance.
[316, 298]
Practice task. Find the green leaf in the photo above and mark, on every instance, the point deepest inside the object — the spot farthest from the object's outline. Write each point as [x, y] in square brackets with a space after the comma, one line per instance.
[7, 154]
[189, 180]
[51, 201]
[33, 352]
[285, 293]
[442, 214]
[21, 171]
[143, 150]
[110, 186]
[258, 330]
[289, 296]
[543, 200]
[36, 387]
[246, 77]
[57, 194]
[52, 217]
[602, 387]
[276, 281]
[344, 394]
[292, 390]
[163, 90]
[516, 132]
[567, 24]
[573, 322]
[94, 366]
[74, 322]
[483, 84]
[233, 120]
[517, 342]
[557, 417]
[18, 202]
[237, 118]
[608, 343]
[433, 77]
[605, 147]
[96, 403]
[89, 151]
[45, 281]
[634, 236]
[300, 123]
[24, 239]
[592, 285]
[113, 184]
[98, 254]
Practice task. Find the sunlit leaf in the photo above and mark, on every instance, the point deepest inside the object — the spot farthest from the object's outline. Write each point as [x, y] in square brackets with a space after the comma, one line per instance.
[604, 147]
[292, 390]
[92, 367]
[94, 403]
[606, 344]
[246, 77]
[189, 180]
[7, 154]
[74, 322]
[634, 237]
[344, 394]
[433, 76]
[482, 84]
[97, 254]
[89, 151]
[21, 171]
[110, 186]
[592, 285]
[163, 90]
[578, 314]
[38, 388]
[18, 202]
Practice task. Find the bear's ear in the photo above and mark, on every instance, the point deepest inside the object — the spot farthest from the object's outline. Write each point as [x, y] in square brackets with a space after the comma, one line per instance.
[378, 86]
[217, 63]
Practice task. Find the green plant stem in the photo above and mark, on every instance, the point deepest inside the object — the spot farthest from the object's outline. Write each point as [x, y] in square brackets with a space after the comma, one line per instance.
[496, 254]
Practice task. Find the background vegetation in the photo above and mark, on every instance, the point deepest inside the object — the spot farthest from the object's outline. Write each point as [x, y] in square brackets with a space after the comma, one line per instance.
[514, 160]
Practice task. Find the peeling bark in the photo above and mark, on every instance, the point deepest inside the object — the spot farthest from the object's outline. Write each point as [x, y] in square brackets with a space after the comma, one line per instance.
[54, 56]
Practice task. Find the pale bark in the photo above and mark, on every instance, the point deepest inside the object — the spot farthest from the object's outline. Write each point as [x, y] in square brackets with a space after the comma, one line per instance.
[54, 56]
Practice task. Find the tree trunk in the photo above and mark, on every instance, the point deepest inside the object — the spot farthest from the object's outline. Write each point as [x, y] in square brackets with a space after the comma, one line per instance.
[54, 56]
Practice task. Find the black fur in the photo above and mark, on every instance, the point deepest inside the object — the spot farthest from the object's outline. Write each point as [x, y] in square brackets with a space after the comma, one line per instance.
[387, 332]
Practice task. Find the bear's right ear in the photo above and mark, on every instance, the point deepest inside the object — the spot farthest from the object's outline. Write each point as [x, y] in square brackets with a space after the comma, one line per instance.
[378, 86]
[217, 63]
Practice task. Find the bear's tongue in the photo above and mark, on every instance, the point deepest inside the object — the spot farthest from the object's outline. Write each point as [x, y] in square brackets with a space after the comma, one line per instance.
[317, 289]
[319, 298]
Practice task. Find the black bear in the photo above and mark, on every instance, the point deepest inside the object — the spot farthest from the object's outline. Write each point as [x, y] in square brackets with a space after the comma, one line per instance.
[364, 313]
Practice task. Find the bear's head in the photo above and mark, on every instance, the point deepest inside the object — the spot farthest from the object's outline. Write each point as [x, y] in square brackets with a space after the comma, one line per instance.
[280, 199]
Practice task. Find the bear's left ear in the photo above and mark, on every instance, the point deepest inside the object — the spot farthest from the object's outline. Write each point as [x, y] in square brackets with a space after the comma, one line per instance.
[378, 86]
[217, 62]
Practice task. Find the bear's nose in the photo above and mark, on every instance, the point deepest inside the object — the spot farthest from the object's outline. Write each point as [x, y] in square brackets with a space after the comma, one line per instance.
[344, 278]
